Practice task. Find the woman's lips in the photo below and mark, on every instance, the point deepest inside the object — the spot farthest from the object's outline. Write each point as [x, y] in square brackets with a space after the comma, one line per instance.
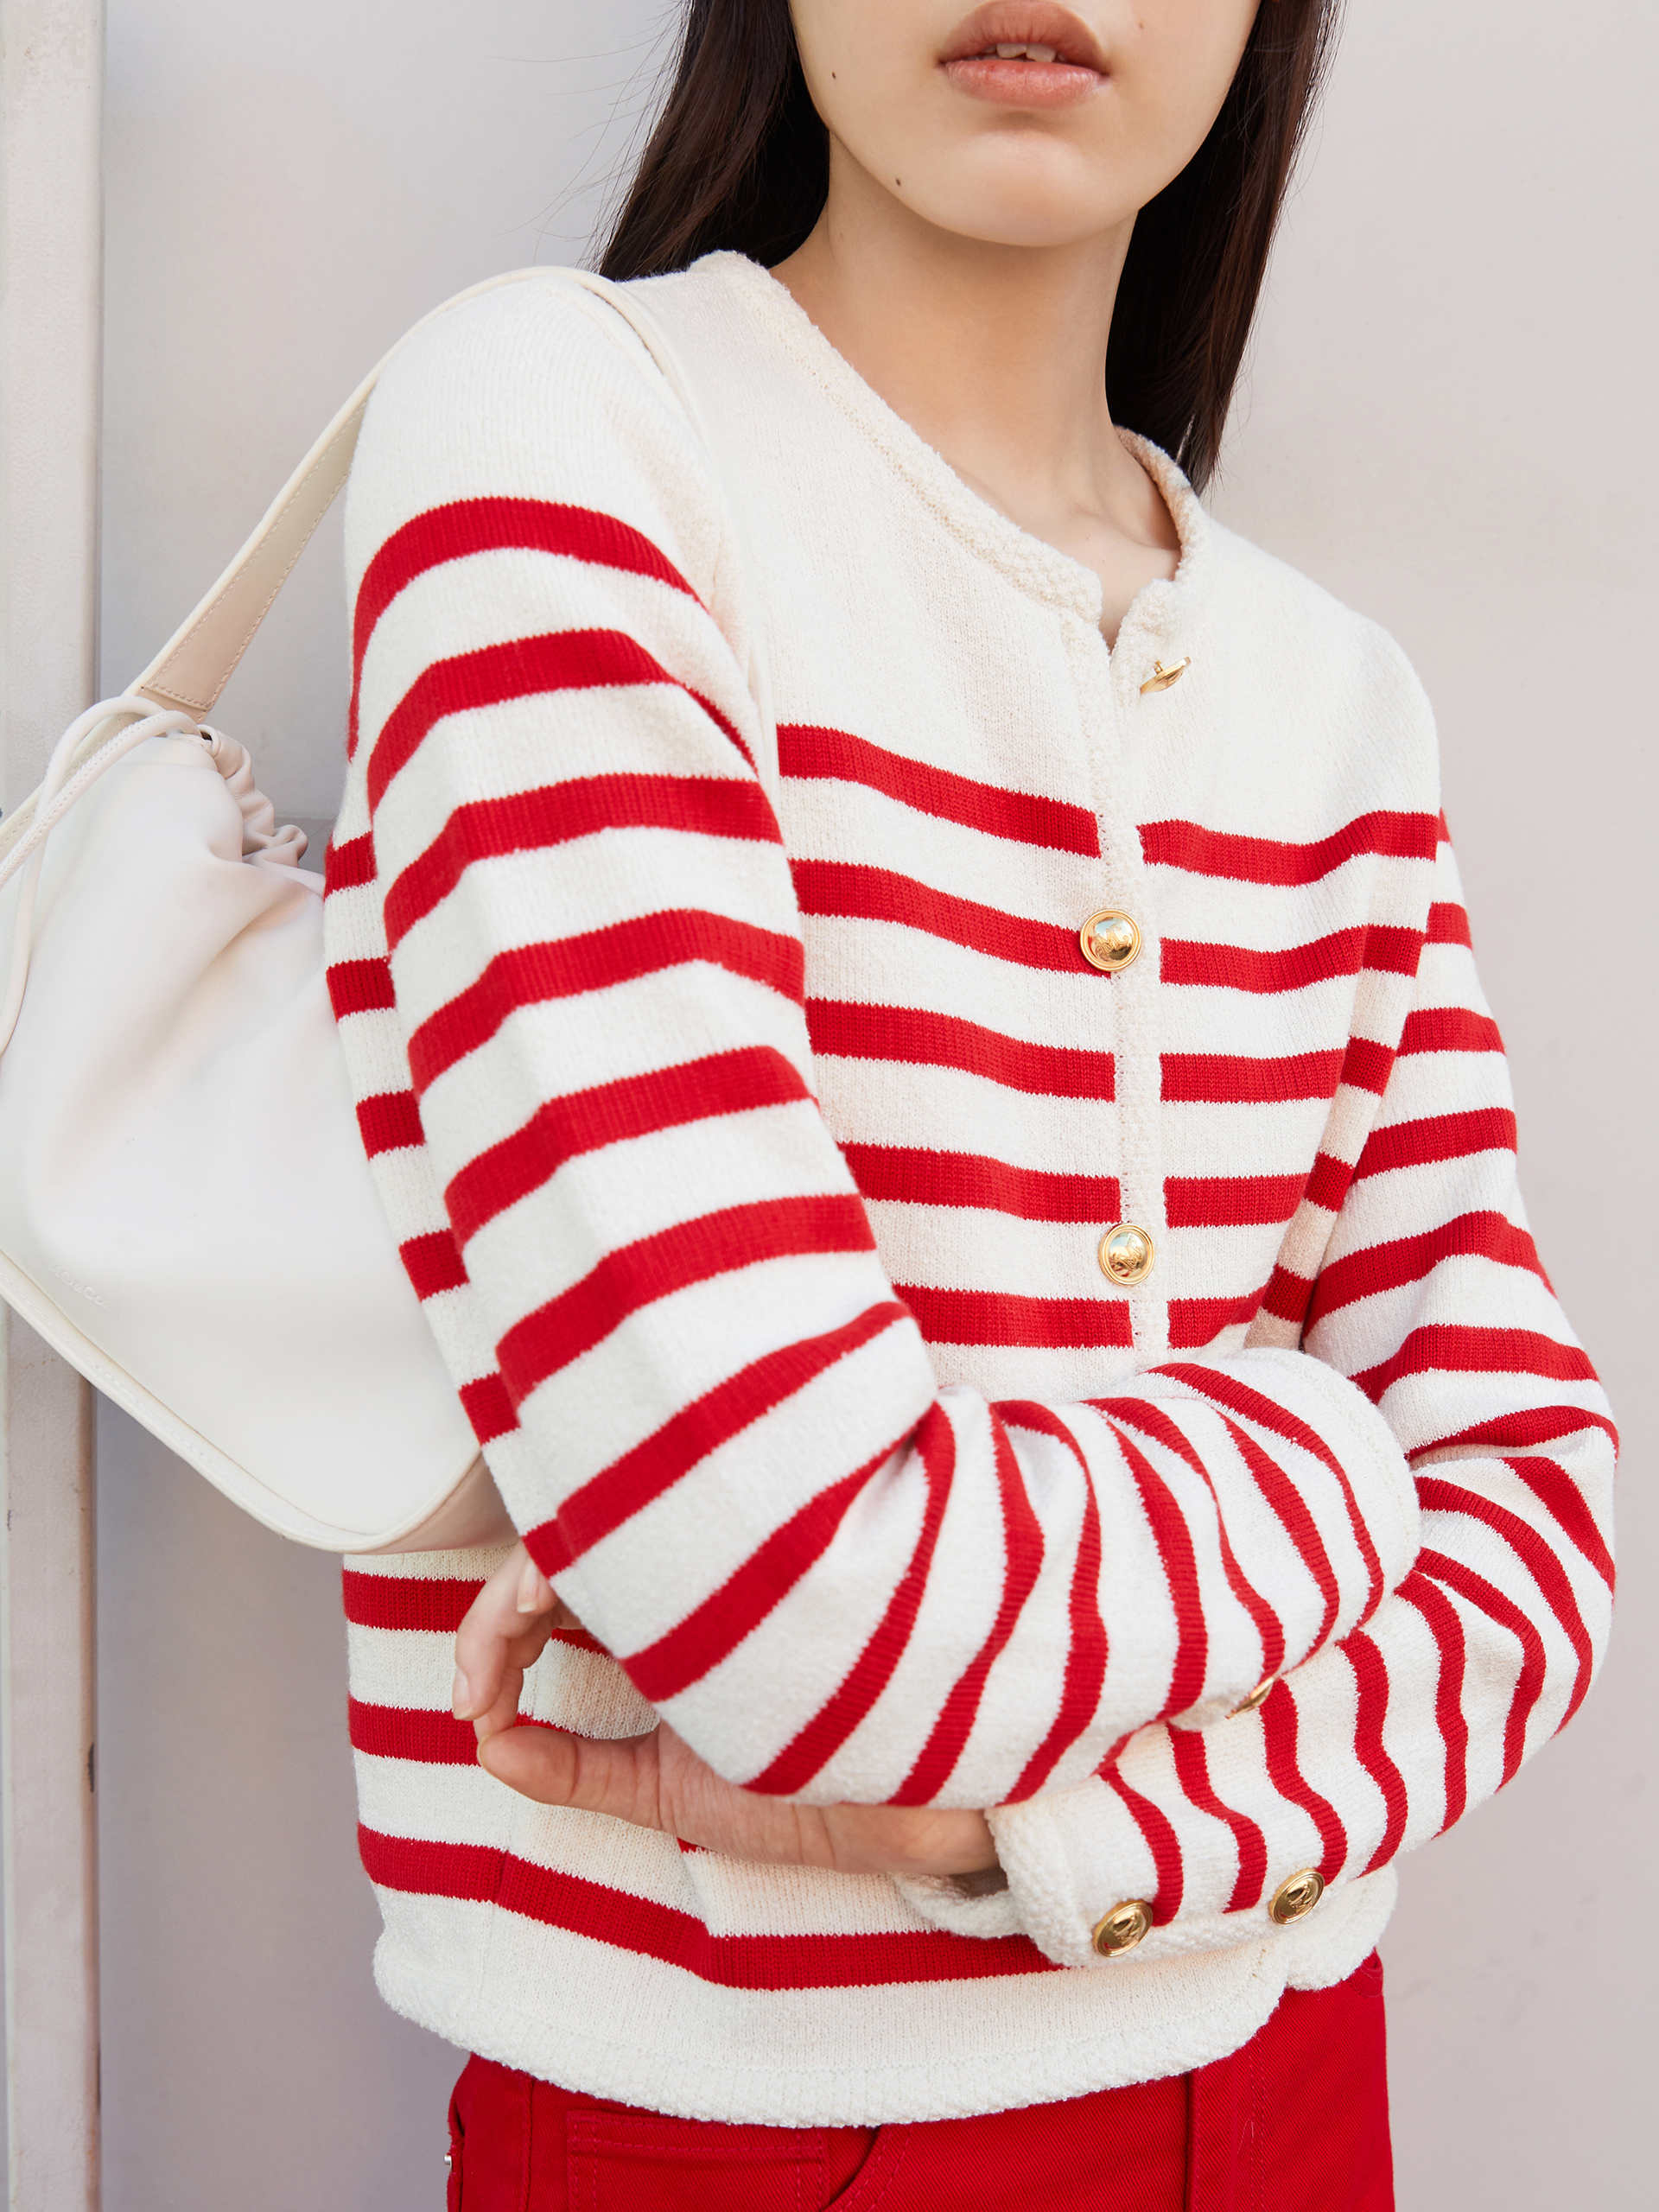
[982, 57]
[1023, 84]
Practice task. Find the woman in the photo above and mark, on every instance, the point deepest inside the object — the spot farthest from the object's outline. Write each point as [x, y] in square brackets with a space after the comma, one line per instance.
[910, 1003]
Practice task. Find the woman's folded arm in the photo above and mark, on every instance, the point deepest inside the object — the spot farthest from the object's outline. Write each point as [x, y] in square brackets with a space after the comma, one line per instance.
[1432, 1299]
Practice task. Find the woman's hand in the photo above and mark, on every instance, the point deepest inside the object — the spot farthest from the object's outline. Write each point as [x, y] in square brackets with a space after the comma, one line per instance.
[656, 1780]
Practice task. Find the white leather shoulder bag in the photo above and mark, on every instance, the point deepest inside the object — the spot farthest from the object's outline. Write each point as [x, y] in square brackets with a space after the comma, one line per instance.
[186, 1213]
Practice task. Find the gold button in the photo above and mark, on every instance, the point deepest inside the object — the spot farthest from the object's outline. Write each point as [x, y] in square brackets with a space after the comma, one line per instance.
[1126, 1254]
[1162, 677]
[1110, 940]
[1257, 1696]
[1121, 1929]
[1295, 1898]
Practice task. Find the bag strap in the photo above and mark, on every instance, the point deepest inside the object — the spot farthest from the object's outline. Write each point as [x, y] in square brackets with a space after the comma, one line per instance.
[198, 660]
[186, 676]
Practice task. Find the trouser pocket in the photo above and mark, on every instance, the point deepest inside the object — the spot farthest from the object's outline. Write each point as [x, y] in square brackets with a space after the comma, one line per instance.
[650, 2162]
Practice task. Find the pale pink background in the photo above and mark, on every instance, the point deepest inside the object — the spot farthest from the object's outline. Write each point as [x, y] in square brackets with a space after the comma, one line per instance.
[1451, 425]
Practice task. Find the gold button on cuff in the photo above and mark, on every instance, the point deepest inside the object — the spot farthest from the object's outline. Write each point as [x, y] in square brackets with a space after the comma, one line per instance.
[1162, 677]
[1126, 1254]
[1295, 1898]
[1121, 1929]
[1257, 1696]
[1110, 940]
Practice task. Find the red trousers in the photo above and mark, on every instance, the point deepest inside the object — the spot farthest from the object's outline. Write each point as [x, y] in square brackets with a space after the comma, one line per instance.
[1296, 2121]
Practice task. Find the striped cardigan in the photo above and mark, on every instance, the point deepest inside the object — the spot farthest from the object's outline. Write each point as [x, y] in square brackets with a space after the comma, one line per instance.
[708, 928]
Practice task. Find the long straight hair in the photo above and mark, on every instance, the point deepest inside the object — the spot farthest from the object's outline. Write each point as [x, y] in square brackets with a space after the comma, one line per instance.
[738, 158]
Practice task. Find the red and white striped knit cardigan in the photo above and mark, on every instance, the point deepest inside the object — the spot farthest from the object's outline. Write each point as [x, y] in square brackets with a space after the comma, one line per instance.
[751, 1117]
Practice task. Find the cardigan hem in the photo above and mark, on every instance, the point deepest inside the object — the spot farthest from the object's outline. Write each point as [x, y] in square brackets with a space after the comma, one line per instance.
[1100, 2029]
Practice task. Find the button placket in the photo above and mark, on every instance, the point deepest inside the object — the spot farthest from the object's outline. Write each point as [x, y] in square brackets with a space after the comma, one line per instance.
[1124, 930]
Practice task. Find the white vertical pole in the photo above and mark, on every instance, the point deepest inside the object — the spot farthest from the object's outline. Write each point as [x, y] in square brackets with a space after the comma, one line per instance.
[51, 256]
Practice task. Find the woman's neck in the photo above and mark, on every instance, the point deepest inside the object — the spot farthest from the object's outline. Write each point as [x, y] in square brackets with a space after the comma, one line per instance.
[995, 355]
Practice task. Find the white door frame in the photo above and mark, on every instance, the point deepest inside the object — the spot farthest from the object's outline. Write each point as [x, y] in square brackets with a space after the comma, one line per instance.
[51, 305]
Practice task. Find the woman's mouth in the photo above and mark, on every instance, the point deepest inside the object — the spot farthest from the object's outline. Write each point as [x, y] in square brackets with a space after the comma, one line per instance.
[1025, 53]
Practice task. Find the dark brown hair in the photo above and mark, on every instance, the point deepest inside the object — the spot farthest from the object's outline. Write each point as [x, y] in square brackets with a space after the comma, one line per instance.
[738, 158]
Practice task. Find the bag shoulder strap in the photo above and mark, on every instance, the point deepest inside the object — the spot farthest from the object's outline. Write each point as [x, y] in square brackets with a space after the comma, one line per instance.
[197, 662]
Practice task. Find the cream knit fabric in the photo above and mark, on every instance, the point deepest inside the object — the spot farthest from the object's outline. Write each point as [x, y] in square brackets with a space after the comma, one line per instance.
[703, 922]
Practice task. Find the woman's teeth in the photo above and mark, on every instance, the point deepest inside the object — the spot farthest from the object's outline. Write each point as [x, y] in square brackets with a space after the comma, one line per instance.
[1027, 53]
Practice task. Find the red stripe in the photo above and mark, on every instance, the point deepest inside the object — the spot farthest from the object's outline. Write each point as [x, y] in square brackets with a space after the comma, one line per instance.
[743, 1081]
[999, 1317]
[1192, 1772]
[1371, 1684]
[433, 1262]
[1344, 952]
[517, 668]
[348, 867]
[850, 889]
[360, 986]
[638, 1275]
[430, 1738]
[1299, 1524]
[395, 1731]
[652, 1467]
[1564, 1501]
[1196, 1322]
[640, 1925]
[1437, 1137]
[435, 1604]
[470, 526]
[1160, 1840]
[1446, 1626]
[1402, 1259]
[913, 1176]
[1231, 1201]
[1530, 1683]
[1278, 1420]
[1086, 1653]
[1526, 1425]
[389, 1121]
[1022, 1557]
[1535, 1557]
[1327, 1185]
[1449, 1029]
[488, 1407]
[597, 960]
[1287, 1296]
[1176, 1556]
[808, 751]
[1448, 924]
[713, 1631]
[1232, 1079]
[1150, 1418]
[912, 1037]
[1273, 860]
[1366, 1066]
[556, 814]
[1279, 1743]
[830, 1728]
[1447, 1349]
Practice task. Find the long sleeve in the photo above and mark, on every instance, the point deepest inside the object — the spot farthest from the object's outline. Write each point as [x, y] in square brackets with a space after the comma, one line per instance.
[651, 1275]
[1432, 1299]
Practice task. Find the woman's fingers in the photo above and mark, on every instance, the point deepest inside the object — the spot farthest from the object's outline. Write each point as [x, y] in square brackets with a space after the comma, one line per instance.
[619, 1777]
[658, 1782]
[506, 1628]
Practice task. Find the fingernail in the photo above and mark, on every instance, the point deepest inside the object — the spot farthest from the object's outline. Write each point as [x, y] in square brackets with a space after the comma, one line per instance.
[530, 1587]
[461, 1695]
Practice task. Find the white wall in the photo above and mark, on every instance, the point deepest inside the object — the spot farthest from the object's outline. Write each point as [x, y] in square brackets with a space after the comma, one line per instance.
[1446, 425]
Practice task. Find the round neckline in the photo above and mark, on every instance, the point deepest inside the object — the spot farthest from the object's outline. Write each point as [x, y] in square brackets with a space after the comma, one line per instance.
[1030, 562]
